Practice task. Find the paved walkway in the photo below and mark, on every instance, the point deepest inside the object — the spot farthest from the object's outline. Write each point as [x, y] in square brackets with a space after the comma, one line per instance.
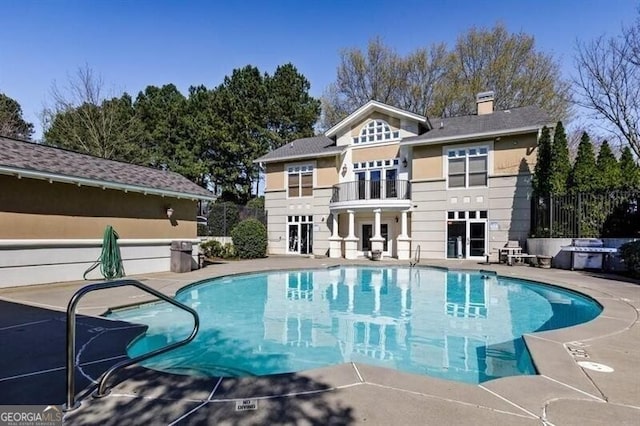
[32, 345]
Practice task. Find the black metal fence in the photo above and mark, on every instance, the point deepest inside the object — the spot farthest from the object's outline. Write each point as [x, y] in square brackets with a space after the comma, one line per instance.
[587, 215]
[223, 217]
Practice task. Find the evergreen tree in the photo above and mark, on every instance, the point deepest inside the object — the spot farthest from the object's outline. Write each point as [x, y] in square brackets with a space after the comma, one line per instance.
[11, 122]
[542, 170]
[291, 111]
[560, 163]
[629, 170]
[583, 176]
[608, 169]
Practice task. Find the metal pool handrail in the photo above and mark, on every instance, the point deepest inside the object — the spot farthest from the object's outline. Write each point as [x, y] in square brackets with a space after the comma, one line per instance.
[416, 257]
[71, 403]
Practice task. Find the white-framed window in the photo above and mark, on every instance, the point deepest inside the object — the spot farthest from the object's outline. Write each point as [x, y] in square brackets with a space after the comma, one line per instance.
[300, 181]
[376, 131]
[467, 167]
[390, 163]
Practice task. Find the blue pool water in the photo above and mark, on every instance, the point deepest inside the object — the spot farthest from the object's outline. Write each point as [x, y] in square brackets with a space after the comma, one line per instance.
[462, 326]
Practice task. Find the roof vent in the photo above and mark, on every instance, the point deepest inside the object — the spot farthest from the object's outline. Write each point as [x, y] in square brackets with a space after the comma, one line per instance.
[484, 102]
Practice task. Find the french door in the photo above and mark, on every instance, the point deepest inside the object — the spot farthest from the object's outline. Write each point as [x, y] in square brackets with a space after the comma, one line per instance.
[477, 241]
[300, 234]
[466, 238]
[367, 233]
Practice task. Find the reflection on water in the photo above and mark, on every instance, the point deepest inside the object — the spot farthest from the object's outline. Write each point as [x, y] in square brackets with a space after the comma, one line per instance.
[454, 325]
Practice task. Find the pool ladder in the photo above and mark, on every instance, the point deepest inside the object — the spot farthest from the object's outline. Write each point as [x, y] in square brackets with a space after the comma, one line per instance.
[416, 257]
[71, 403]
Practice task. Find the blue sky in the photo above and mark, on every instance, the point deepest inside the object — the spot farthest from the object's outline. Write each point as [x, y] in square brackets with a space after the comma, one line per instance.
[133, 44]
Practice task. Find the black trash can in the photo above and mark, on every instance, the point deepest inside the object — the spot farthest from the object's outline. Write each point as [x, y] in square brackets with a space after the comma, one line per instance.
[181, 256]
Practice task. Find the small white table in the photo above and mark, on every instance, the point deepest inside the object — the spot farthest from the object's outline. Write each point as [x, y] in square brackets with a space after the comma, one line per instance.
[505, 252]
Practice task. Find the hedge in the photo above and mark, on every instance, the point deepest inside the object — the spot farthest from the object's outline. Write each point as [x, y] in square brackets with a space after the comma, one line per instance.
[250, 239]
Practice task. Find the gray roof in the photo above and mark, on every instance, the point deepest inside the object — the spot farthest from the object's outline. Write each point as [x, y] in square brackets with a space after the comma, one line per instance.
[315, 146]
[53, 163]
[498, 121]
[452, 128]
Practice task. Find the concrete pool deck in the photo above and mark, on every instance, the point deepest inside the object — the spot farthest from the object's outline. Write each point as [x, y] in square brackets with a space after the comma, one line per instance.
[32, 344]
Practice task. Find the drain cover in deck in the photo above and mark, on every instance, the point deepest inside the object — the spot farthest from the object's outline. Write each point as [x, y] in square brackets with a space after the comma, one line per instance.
[595, 366]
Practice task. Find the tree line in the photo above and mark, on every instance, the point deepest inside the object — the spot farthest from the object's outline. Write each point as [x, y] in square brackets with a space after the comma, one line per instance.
[213, 135]
[210, 136]
[438, 81]
[555, 175]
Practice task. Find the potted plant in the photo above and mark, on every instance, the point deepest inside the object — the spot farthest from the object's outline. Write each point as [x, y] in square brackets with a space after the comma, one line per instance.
[544, 261]
[376, 254]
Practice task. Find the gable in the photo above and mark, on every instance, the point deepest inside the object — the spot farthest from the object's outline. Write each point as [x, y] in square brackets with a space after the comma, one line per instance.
[367, 112]
[393, 122]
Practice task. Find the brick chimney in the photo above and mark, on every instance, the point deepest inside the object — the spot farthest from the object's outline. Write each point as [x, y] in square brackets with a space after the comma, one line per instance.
[484, 102]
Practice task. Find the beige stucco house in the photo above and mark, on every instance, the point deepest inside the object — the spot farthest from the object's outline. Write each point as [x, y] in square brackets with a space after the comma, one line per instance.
[390, 180]
[55, 205]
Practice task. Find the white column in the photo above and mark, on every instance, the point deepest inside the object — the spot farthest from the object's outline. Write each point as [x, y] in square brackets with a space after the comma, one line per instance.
[335, 242]
[377, 242]
[352, 224]
[403, 240]
[334, 227]
[376, 223]
[351, 241]
[403, 224]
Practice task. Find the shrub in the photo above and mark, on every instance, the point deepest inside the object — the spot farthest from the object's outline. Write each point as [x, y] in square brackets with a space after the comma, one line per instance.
[212, 248]
[229, 251]
[630, 253]
[250, 239]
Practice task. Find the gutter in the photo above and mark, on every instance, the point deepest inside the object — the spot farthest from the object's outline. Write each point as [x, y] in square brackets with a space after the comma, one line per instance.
[471, 136]
[51, 177]
[299, 157]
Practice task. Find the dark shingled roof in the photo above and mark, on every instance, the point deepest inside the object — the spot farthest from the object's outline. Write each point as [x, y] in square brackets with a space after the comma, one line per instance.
[35, 157]
[314, 146]
[497, 121]
[453, 128]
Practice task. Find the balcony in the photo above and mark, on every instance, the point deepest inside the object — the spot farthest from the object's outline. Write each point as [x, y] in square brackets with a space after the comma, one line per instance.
[391, 193]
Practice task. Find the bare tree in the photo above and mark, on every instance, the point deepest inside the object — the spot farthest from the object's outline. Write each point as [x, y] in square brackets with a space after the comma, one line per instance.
[508, 64]
[439, 82]
[383, 75]
[84, 118]
[608, 83]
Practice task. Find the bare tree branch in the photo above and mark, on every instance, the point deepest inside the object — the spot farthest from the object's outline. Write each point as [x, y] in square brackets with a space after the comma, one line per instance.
[84, 117]
[608, 83]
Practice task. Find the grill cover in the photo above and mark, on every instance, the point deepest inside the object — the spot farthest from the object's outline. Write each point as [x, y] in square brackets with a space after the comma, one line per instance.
[588, 242]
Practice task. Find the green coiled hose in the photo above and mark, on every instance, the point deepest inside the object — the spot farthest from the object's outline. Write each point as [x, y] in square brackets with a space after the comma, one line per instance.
[110, 261]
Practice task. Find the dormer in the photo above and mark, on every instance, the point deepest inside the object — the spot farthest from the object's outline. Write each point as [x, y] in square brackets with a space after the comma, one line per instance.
[377, 123]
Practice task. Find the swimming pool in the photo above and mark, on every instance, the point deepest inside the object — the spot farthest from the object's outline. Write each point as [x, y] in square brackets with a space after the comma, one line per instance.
[457, 325]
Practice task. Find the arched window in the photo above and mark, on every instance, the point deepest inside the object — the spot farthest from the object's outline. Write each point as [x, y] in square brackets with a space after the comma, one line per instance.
[376, 131]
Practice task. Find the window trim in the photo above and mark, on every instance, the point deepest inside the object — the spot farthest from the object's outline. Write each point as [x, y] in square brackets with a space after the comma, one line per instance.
[287, 173]
[466, 147]
[377, 136]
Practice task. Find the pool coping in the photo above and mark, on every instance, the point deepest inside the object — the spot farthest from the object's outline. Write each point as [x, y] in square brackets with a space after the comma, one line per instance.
[555, 354]
[536, 342]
